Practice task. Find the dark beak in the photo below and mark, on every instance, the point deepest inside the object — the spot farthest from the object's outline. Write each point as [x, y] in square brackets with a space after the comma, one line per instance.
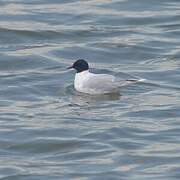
[70, 67]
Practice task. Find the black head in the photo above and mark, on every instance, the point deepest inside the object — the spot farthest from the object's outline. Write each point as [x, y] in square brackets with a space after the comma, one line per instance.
[80, 65]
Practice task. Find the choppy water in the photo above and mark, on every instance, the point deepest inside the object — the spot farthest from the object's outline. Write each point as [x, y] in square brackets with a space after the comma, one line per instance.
[50, 132]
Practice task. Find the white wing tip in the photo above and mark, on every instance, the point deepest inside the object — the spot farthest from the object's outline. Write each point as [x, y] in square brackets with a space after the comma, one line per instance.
[141, 80]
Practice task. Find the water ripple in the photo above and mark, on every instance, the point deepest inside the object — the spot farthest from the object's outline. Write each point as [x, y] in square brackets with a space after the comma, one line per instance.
[50, 131]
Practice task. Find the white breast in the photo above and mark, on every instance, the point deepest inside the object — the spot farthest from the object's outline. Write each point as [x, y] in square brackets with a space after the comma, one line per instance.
[80, 80]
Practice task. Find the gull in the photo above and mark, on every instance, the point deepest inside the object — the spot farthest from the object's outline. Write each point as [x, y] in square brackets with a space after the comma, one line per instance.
[94, 84]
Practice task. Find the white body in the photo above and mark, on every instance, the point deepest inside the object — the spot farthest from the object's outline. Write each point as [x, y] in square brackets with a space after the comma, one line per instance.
[91, 83]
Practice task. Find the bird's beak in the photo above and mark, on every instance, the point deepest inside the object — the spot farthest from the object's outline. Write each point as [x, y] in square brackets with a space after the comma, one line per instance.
[70, 67]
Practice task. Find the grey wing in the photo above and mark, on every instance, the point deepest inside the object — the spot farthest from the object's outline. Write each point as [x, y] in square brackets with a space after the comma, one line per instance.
[103, 82]
[122, 83]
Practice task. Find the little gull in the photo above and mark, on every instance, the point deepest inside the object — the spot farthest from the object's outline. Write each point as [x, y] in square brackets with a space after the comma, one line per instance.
[90, 83]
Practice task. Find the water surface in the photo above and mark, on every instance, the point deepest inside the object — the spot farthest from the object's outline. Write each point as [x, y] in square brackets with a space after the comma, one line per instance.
[48, 130]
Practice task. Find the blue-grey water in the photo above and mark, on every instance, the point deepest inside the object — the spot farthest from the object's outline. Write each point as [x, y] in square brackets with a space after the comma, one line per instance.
[48, 131]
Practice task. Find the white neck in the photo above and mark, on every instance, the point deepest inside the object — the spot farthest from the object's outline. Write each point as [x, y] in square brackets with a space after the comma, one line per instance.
[82, 75]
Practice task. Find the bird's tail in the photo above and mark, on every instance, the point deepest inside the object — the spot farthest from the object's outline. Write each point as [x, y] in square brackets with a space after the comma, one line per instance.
[130, 81]
[135, 80]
